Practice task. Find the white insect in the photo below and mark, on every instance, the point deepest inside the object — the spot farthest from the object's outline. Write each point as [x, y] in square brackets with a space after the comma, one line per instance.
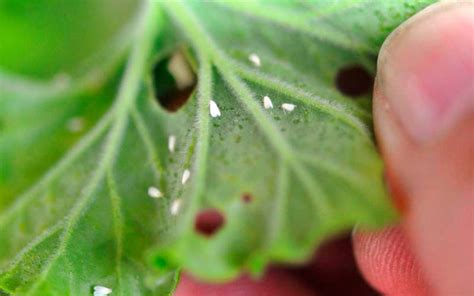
[185, 177]
[175, 206]
[214, 109]
[288, 107]
[255, 59]
[75, 124]
[154, 192]
[171, 143]
[101, 291]
[267, 102]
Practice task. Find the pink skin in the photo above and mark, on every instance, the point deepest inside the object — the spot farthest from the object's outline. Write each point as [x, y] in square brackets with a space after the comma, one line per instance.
[275, 283]
[424, 119]
[425, 130]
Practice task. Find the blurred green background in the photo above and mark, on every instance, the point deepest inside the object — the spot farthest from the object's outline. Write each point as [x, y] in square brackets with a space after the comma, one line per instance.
[39, 38]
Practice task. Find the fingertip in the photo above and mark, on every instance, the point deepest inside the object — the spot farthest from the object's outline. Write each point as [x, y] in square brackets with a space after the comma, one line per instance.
[424, 118]
[387, 263]
[426, 69]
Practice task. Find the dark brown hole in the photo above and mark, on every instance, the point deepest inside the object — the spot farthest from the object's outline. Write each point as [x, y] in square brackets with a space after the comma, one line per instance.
[166, 91]
[354, 81]
[208, 222]
[173, 100]
[247, 197]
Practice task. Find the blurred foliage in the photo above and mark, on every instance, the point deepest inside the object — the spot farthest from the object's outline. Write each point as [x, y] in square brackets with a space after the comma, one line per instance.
[39, 38]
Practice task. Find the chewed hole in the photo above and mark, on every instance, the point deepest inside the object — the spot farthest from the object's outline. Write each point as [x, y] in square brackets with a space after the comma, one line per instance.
[209, 222]
[173, 82]
[247, 197]
[354, 81]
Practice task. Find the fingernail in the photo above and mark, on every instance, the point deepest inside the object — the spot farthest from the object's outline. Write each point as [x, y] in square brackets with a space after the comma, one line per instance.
[426, 69]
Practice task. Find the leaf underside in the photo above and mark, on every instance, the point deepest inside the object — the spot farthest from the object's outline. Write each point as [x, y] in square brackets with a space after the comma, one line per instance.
[74, 208]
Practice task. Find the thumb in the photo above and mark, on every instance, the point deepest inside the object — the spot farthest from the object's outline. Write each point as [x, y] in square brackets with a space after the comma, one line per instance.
[424, 117]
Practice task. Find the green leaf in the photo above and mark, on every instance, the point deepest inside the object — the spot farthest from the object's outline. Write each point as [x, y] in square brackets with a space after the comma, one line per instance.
[41, 38]
[78, 155]
[88, 220]
[311, 172]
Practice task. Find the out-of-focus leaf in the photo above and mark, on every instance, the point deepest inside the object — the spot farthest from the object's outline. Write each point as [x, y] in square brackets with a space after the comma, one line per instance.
[88, 220]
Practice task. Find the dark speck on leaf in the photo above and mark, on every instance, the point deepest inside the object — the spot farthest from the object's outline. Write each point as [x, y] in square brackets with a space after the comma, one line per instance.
[247, 197]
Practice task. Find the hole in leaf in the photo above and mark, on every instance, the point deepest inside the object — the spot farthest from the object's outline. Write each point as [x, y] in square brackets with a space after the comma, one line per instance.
[173, 82]
[174, 100]
[208, 222]
[247, 197]
[354, 81]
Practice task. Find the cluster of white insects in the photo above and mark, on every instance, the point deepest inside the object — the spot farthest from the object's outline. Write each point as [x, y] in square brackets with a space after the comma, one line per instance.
[267, 102]
[76, 124]
[154, 192]
[214, 111]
